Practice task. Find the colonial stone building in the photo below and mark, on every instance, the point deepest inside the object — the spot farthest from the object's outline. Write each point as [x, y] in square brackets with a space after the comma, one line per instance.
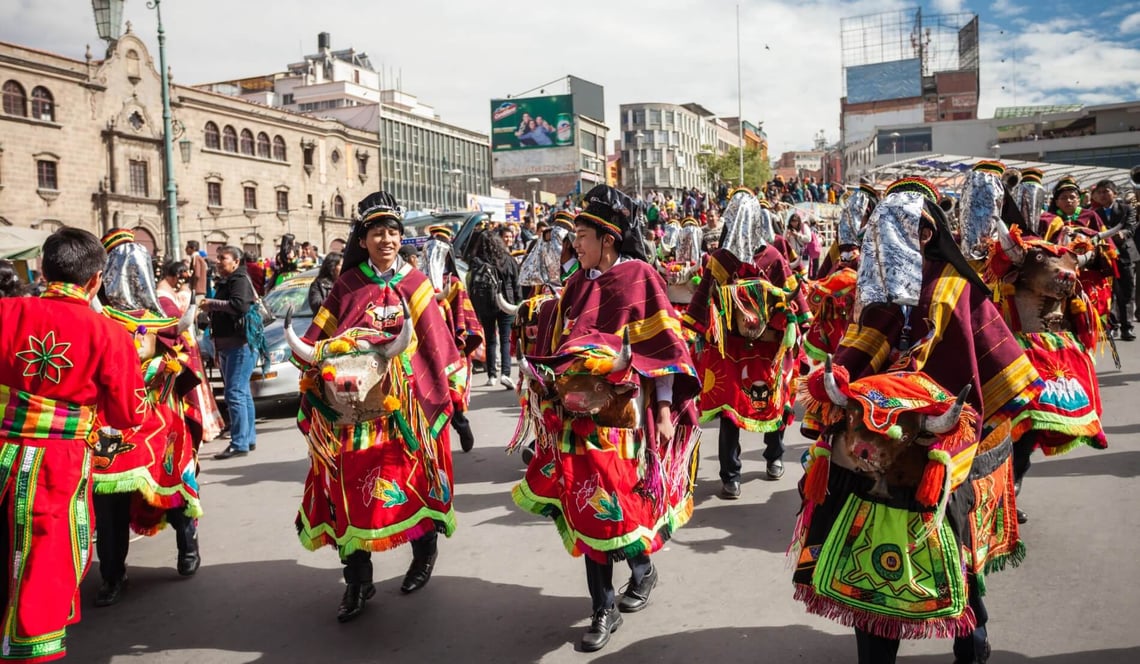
[81, 145]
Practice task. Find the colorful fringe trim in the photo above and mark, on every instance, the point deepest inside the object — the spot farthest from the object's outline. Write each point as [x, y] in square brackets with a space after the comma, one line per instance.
[887, 627]
[354, 539]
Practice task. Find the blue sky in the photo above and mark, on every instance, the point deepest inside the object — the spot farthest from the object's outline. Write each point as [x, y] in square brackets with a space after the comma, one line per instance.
[457, 55]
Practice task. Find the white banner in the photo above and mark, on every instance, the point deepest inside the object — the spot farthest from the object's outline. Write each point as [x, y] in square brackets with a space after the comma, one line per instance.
[525, 163]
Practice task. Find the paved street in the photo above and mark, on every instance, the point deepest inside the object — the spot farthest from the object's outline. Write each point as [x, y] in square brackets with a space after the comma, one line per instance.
[505, 590]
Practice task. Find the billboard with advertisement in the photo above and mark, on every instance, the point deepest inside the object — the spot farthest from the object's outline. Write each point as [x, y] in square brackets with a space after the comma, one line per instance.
[532, 123]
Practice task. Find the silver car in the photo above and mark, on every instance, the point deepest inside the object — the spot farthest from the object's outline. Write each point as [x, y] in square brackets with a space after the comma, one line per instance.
[280, 381]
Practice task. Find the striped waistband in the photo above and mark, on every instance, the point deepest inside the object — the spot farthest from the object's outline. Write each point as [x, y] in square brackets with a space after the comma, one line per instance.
[26, 415]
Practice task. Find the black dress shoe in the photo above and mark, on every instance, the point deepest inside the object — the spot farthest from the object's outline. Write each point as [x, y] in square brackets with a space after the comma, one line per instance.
[1127, 336]
[730, 490]
[1022, 517]
[229, 453]
[419, 573]
[604, 623]
[110, 592]
[252, 447]
[352, 604]
[1017, 487]
[775, 469]
[636, 596]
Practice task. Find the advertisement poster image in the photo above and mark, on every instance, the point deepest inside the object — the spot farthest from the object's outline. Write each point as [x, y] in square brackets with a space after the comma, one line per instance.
[532, 122]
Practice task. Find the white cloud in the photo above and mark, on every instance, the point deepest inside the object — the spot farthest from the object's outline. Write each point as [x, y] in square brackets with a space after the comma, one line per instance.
[948, 6]
[1130, 23]
[1007, 8]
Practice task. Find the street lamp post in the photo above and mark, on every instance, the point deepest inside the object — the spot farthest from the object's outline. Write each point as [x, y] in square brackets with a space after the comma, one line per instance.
[108, 22]
[894, 146]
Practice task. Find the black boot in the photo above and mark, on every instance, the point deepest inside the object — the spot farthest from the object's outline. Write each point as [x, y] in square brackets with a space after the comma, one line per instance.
[423, 562]
[358, 586]
[186, 535]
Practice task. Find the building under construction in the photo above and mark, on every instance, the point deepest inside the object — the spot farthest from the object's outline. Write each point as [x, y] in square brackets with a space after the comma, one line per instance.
[903, 68]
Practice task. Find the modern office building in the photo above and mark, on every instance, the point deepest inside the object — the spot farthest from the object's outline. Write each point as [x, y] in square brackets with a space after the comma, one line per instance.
[661, 143]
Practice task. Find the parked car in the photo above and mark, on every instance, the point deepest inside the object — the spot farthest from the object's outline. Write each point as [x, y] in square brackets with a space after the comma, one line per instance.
[279, 382]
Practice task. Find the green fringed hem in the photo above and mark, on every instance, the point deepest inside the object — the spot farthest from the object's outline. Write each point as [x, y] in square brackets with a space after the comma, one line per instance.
[141, 481]
[1011, 559]
[358, 539]
[617, 548]
[745, 423]
[1080, 441]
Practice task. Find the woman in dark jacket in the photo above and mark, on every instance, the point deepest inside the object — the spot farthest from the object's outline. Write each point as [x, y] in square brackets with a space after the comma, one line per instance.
[492, 253]
[319, 289]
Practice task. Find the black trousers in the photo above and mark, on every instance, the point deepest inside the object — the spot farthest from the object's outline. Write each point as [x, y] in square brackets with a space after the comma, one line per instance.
[878, 650]
[1022, 451]
[1122, 292]
[358, 564]
[600, 579]
[113, 531]
[729, 449]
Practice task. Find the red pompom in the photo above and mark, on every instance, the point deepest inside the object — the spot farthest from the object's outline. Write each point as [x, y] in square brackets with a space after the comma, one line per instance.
[933, 480]
[815, 483]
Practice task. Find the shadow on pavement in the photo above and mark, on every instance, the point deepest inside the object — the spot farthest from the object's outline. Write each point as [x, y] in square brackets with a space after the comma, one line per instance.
[766, 526]
[1114, 464]
[800, 643]
[279, 611]
[1110, 379]
[254, 473]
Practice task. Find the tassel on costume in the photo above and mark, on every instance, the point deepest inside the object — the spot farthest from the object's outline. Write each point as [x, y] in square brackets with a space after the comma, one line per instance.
[815, 483]
[933, 479]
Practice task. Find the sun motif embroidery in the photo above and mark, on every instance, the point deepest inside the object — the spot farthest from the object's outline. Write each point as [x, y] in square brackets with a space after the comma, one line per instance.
[46, 359]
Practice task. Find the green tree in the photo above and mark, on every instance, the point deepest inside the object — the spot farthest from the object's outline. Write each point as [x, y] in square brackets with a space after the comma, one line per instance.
[726, 167]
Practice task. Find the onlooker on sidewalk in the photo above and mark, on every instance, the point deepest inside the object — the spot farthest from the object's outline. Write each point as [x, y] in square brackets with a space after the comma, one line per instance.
[199, 280]
[1114, 212]
[494, 272]
[233, 297]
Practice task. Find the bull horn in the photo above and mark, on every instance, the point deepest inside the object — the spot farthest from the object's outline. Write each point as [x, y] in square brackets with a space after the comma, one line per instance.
[946, 421]
[440, 296]
[304, 352]
[831, 387]
[504, 306]
[1083, 259]
[187, 319]
[400, 343]
[1015, 253]
[625, 357]
[1104, 235]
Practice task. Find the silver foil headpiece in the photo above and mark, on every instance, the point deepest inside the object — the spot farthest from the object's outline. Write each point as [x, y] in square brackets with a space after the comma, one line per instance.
[1029, 197]
[128, 280]
[688, 247]
[669, 236]
[890, 270]
[851, 218]
[743, 226]
[979, 212]
[542, 263]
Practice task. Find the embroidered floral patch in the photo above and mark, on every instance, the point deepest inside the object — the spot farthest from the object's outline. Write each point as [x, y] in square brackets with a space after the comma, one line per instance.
[46, 359]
